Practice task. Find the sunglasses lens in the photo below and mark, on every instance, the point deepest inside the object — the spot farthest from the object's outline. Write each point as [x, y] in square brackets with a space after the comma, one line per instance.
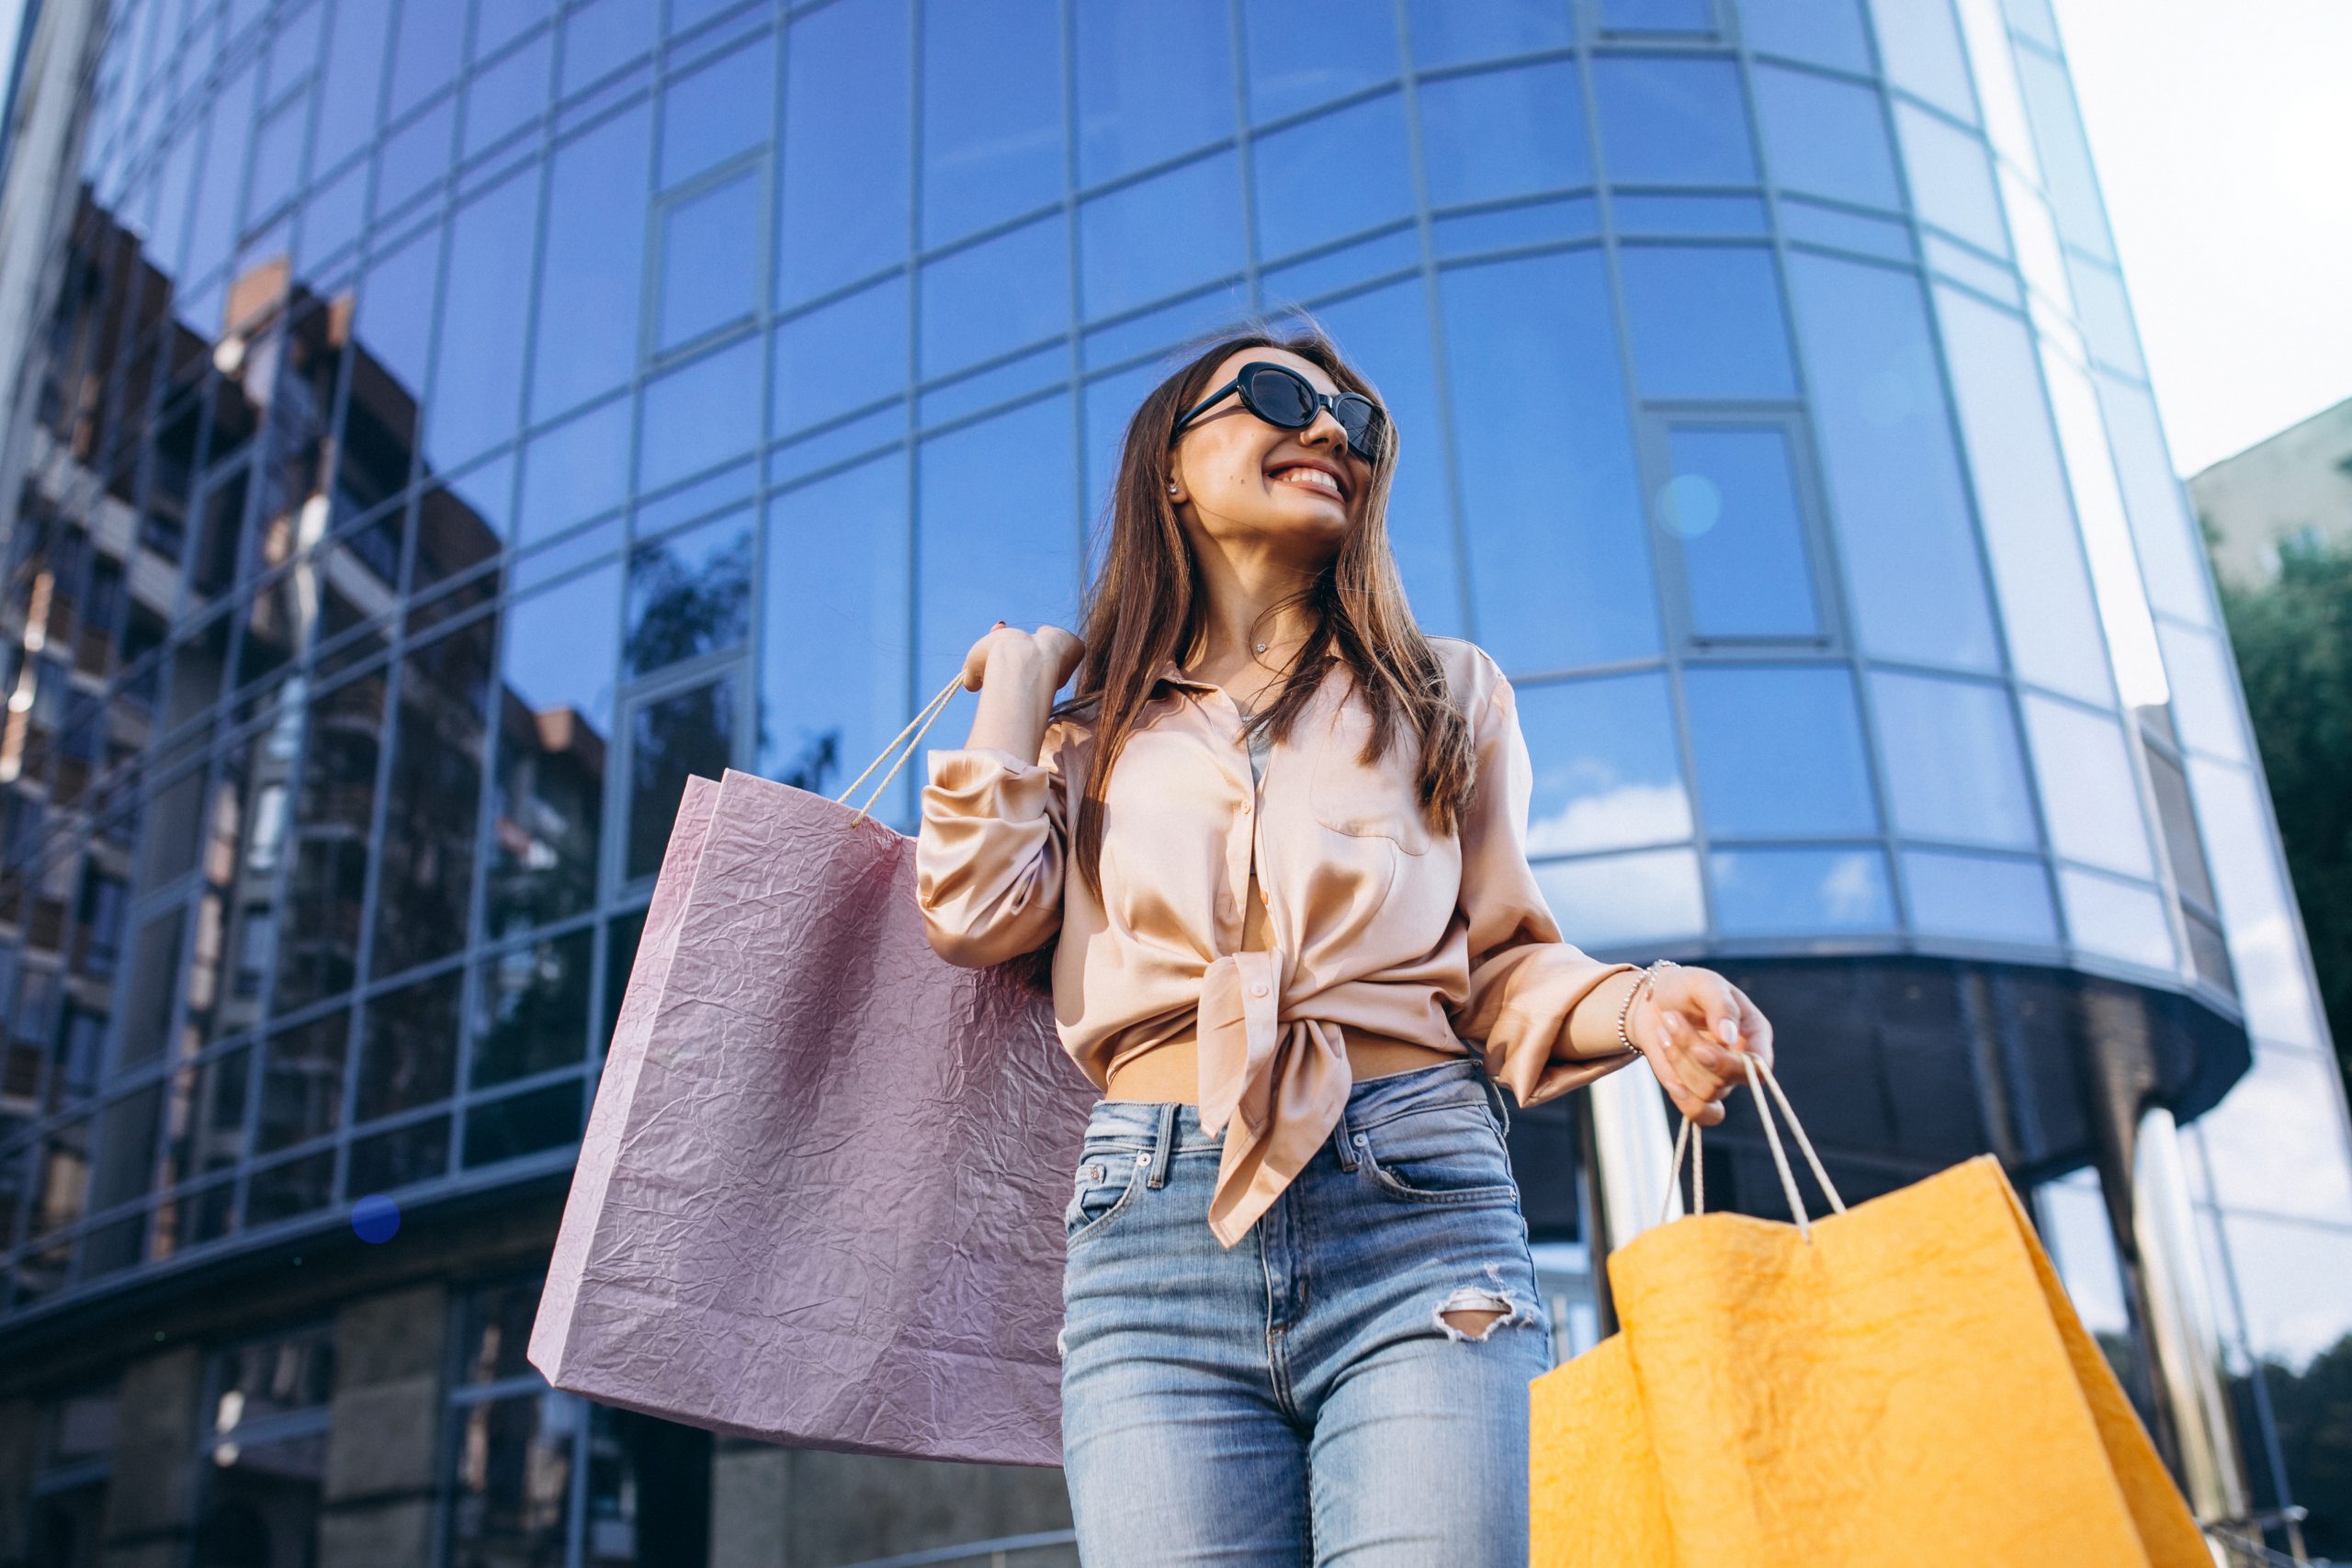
[1360, 419]
[1282, 398]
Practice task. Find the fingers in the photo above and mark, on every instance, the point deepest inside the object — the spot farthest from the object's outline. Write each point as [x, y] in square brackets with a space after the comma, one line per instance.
[1691, 1079]
[1755, 1029]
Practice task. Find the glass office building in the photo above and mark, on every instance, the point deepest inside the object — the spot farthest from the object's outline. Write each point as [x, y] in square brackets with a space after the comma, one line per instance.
[444, 426]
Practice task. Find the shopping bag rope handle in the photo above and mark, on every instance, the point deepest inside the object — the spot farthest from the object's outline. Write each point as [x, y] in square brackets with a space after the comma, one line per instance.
[918, 725]
[1691, 1133]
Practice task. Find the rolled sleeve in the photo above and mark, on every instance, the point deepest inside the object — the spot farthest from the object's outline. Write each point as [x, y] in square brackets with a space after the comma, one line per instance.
[1525, 978]
[990, 851]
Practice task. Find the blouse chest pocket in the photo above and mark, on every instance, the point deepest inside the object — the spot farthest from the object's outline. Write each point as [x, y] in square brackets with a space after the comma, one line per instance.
[1375, 801]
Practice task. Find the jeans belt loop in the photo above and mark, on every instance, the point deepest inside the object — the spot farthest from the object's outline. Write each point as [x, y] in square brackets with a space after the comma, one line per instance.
[1164, 1144]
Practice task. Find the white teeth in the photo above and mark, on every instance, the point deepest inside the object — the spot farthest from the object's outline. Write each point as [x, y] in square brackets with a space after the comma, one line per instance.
[1310, 476]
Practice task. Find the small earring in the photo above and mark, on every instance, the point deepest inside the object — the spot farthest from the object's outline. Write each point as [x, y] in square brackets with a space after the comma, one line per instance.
[1171, 487]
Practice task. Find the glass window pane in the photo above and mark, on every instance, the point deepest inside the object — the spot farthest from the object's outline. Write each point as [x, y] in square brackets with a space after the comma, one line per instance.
[843, 212]
[574, 472]
[556, 683]
[998, 532]
[1500, 133]
[433, 799]
[1731, 501]
[700, 416]
[1560, 572]
[2277, 1142]
[689, 594]
[2089, 798]
[2116, 919]
[2048, 614]
[408, 1053]
[523, 1124]
[2290, 1277]
[424, 50]
[414, 1151]
[394, 329]
[1386, 332]
[1673, 121]
[2204, 690]
[1454, 32]
[510, 1486]
[1339, 174]
[709, 277]
[277, 156]
[601, 37]
[996, 296]
[840, 357]
[477, 398]
[723, 109]
[1921, 47]
[1894, 489]
[1952, 765]
[1829, 32]
[1301, 56]
[1624, 900]
[649, 1491]
[991, 113]
[414, 159]
[318, 951]
[2066, 156]
[1706, 322]
[1825, 136]
[1658, 16]
[1608, 774]
[1976, 895]
[125, 1166]
[1800, 892]
[1952, 178]
[691, 731]
[2273, 982]
[213, 220]
[836, 612]
[589, 277]
[352, 77]
[302, 1082]
[499, 22]
[1155, 78]
[1778, 752]
[2172, 557]
[1129, 253]
[508, 96]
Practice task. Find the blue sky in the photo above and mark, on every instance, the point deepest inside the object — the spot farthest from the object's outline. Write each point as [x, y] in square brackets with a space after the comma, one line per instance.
[2223, 134]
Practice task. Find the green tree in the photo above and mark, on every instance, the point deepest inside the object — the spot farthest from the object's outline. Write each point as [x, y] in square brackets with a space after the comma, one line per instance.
[2293, 640]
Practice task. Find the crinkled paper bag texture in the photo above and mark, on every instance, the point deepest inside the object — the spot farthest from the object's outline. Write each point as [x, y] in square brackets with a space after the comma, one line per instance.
[818, 1200]
[1911, 1389]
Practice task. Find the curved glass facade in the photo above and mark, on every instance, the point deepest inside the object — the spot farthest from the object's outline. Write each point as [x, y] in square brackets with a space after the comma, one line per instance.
[460, 420]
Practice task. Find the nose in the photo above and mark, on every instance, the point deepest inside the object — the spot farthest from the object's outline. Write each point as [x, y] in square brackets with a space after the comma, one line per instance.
[1325, 430]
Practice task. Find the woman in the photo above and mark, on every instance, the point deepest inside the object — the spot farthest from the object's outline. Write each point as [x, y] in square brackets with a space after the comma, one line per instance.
[1277, 840]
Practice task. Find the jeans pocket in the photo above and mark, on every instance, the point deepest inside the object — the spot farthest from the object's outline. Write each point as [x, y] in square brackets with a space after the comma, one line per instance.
[1103, 1187]
[1449, 1152]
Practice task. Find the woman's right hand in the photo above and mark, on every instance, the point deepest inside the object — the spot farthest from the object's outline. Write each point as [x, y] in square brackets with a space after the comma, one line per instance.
[1052, 648]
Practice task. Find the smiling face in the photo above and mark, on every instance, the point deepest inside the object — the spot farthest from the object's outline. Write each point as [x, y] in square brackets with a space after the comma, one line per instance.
[1237, 475]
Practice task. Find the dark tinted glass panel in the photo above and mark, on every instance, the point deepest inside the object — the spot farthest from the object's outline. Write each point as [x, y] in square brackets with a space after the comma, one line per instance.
[574, 472]
[414, 1151]
[843, 212]
[1675, 121]
[689, 594]
[1706, 323]
[277, 1376]
[691, 731]
[999, 529]
[555, 719]
[1607, 772]
[1800, 892]
[1300, 56]
[1829, 31]
[1500, 133]
[649, 1489]
[1732, 503]
[1825, 136]
[510, 1487]
[991, 113]
[1450, 33]
[1894, 477]
[394, 332]
[425, 858]
[1559, 571]
[289, 1188]
[459, 528]
[531, 1009]
[1778, 752]
[408, 1047]
[1155, 79]
[996, 296]
[717, 111]
[302, 1081]
[1332, 177]
[493, 1331]
[586, 340]
[840, 357]
[477, 388]
[708, 274]
[1953, 767]
[125, 1166]
[702, 414]
[523, 1124]
[1130, 255]
[621, 937]
[208, 1119]
[154, 972]
[835, 638]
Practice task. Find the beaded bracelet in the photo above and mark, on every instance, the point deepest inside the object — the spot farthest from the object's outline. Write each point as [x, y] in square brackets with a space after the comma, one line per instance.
[1649, 976]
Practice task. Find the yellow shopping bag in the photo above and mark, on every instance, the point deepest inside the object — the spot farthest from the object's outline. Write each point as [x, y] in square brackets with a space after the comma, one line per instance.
[1903, 1382]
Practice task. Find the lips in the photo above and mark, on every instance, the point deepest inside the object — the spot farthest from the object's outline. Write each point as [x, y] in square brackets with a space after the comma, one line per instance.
[1310, 476]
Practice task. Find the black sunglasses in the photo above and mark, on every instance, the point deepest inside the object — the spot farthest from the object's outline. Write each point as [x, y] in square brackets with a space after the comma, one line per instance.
[1282, 396]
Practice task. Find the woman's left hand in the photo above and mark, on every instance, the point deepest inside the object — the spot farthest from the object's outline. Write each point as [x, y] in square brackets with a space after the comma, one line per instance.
[1690, 1024]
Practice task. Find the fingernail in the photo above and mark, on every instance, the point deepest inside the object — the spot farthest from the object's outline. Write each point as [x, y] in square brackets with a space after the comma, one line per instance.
[1729, 1030]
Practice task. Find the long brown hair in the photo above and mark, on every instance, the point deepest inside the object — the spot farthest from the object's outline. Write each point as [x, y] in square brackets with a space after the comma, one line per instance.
[1148, 603]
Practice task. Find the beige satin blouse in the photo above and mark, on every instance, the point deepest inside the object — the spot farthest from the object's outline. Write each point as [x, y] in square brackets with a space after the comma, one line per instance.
[1376, 922]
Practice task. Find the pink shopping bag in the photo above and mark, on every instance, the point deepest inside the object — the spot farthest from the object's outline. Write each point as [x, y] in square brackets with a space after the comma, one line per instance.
[819, 1202]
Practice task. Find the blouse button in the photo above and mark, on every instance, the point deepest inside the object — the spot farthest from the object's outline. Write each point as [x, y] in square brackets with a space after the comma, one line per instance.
[1258, 989]
[1245, 808]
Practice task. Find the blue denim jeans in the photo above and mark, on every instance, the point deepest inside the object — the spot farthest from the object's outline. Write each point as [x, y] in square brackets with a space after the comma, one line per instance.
[1298, 1399]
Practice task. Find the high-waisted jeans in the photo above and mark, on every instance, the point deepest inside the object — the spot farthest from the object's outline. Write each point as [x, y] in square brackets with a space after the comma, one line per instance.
[1297, 1399]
